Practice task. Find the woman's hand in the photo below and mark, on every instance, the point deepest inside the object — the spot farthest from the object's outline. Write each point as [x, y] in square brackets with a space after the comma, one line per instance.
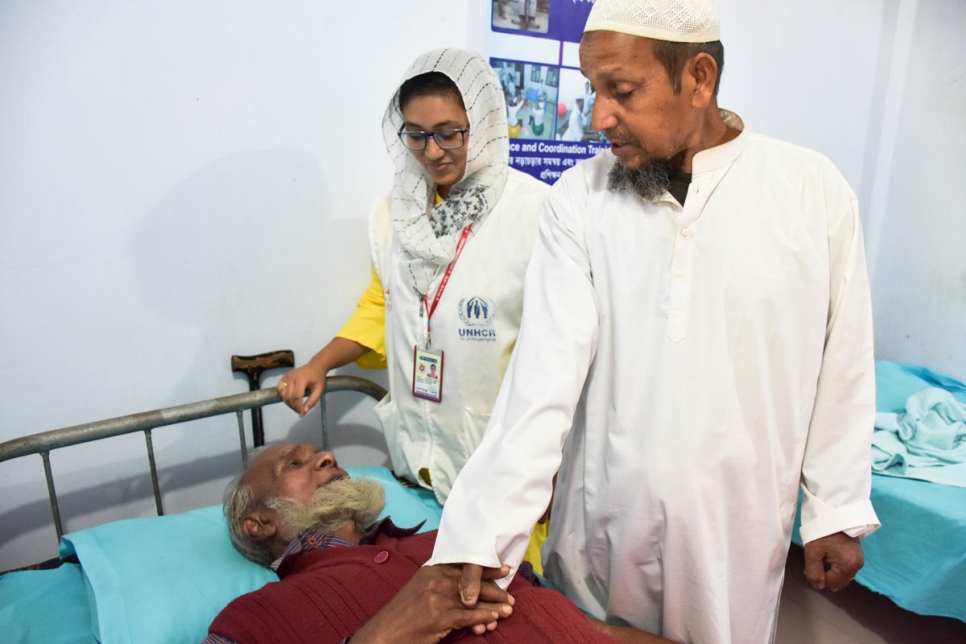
[301, 388]
[294, 385]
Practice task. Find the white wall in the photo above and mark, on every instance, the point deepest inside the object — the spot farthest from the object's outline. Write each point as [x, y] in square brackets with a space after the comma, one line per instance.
[183, 180]
[805, 72]
[920, 256]
[180, 181]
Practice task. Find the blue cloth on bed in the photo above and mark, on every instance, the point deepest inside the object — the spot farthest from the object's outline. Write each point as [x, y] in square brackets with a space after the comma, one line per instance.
[927, 440]
[161, 580]
[30, 610]
[919, 431]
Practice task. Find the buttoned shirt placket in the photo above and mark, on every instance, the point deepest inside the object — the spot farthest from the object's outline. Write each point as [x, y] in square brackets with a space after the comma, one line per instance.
[682, 256]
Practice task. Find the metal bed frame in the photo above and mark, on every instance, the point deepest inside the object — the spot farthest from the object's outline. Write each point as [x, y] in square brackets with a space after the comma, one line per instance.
[45, 442]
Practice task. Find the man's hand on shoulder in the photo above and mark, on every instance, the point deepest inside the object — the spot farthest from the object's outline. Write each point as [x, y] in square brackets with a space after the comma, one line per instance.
[831, 562]
[431, 605]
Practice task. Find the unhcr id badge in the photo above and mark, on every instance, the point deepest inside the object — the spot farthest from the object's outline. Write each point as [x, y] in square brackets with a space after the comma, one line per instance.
[428, 374]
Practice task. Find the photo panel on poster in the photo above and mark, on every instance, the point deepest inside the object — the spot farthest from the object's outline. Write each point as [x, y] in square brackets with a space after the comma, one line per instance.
[554, 19]
[549, 103]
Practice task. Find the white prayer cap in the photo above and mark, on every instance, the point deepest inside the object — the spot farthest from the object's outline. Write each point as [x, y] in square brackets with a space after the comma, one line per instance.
[694, 21]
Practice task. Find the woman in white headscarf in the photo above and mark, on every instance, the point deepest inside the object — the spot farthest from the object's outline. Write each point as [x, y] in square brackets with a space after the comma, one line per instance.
[450, 245]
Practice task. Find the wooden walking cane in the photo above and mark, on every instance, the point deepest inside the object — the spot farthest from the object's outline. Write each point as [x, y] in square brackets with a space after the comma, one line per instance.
[253, 367]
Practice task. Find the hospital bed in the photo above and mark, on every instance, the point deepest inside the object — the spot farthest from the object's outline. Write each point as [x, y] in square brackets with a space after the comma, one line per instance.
[164, 578]
[160, 578]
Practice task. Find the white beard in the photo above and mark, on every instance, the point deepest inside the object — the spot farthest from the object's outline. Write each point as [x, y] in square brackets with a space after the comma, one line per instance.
[346, 500]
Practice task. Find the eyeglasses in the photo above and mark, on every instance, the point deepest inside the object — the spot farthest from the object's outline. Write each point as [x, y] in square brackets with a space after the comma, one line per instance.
[446, 139]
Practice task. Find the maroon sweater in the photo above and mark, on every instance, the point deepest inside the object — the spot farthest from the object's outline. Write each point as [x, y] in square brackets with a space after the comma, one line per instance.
[326, 595]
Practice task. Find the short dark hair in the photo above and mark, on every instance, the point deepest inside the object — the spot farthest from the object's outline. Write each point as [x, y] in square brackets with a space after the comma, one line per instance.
[673, 55]
[428, 84]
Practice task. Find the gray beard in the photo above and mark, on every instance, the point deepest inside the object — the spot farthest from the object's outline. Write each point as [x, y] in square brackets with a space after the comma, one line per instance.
[357, 500]
[649, 181]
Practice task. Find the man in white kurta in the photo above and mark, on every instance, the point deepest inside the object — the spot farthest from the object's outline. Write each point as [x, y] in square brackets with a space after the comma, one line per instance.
[687, 369]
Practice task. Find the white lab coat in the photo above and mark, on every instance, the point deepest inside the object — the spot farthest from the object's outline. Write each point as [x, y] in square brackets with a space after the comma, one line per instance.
[475, 324]
[709, 359]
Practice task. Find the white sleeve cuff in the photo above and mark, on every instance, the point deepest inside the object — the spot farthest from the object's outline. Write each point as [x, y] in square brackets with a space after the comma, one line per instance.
[858, 520]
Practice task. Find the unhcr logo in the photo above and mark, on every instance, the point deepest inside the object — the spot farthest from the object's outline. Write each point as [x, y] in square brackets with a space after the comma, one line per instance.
[477, 312]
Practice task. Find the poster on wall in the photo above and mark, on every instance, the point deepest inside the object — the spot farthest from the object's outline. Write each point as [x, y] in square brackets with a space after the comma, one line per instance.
[533, 47]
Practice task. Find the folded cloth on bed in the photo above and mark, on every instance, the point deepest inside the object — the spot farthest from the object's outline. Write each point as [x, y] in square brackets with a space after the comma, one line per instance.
[926, 441]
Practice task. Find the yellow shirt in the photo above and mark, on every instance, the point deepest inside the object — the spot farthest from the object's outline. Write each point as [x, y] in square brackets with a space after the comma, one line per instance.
[367, 326]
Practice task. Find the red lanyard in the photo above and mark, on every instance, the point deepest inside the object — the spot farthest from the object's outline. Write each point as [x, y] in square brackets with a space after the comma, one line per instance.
[445, 280]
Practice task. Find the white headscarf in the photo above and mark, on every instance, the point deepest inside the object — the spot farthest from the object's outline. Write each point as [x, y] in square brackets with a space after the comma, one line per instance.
[430, 241]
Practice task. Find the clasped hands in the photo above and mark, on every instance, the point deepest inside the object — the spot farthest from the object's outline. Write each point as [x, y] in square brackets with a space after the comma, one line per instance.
[438, 600]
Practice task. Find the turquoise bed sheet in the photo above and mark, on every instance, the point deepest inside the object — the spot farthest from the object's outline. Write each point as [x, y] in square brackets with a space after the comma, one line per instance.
[896, 381]
[45, 606]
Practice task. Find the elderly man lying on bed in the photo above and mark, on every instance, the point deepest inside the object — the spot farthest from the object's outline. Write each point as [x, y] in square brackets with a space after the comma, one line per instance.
[342, 575]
